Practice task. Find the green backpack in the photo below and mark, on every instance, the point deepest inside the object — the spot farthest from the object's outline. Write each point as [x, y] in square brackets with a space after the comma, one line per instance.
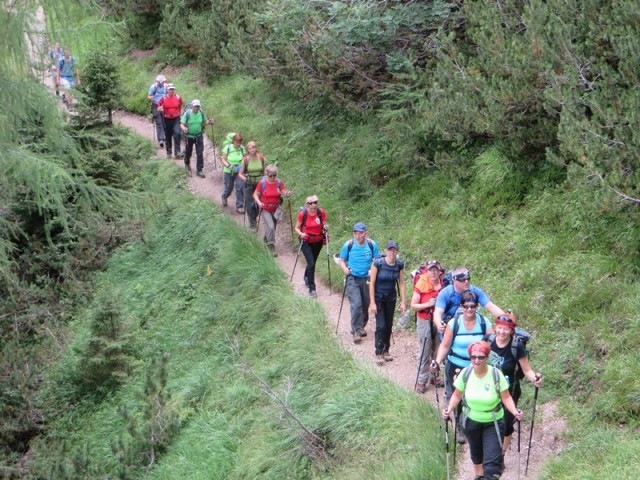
[228, 140]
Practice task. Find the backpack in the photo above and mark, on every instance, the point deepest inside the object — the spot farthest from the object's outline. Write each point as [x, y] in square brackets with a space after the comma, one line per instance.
[422, 269]
[187, 110]
[456, 325]
[304, 217]
[228, 140]
[519, 335]
[369, 242]
[466, 373]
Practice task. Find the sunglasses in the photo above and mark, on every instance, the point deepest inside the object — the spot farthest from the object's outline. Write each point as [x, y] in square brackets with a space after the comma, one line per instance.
[462, 277]
[315, 202]
[478, 357]
[471, 306]
[504, 319]
[272, 176]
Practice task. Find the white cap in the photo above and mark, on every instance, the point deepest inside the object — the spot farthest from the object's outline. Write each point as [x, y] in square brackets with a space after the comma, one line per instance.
[195, 103]
[171, 86]
[161, 78]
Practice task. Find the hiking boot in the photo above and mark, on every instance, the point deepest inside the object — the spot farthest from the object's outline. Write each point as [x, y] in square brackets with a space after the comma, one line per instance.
[387, 357]
[421, 388]
[224, 201]
[363, 333]
[357, 338]
[240, 210]
[200, 174]
[460, 438]
[379, 360]
[272, 249]
[313, 294]
[253, 226]
[179, 155]
[161, 144]
[306, 281]
[169, 155]
[188, 168]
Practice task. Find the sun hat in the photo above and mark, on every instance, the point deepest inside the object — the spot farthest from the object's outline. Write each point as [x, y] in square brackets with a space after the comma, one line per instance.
[161, 78]
[195, 103]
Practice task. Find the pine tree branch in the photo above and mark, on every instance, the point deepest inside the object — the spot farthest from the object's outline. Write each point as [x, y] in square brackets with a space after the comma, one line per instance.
[617, 192]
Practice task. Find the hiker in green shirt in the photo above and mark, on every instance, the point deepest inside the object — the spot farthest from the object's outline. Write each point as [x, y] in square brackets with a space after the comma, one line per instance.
[192, 124]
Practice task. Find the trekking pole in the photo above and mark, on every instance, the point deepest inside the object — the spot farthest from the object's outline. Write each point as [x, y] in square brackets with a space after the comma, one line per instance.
[258, 222]
[415, 385]
[328, 264]
[213, 145]
[344, 290]
[296, 262]
[455, 431]
[533, 418]
[290, 217]
[519, 432]
[446, 442]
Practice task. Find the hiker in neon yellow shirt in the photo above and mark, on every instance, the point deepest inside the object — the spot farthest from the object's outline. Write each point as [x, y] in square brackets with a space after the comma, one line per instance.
[483, 390]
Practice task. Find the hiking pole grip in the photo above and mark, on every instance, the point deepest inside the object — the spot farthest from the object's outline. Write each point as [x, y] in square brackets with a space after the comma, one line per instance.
[533, 418]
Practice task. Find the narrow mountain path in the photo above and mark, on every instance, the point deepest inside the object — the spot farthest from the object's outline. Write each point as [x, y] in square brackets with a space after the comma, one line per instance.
[549, 425]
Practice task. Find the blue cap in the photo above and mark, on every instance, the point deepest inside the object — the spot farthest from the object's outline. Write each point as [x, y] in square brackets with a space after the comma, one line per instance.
[359, 227]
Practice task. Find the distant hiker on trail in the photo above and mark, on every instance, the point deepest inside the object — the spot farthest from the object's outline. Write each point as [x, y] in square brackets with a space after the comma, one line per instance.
[268, 196]
[482, 390]
[423, 301]
[67, 77]
[171, 108]
[232, 156]
[461, 331]
[158, 90]
[55, 55]
[251, 171]
[387, 276]
[448, 301]
[192, 124]
[514, 364]
[356, 257]
[311, 227]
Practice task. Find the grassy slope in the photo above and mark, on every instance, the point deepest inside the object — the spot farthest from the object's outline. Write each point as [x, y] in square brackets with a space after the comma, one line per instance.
[565, 259]
[230, 428]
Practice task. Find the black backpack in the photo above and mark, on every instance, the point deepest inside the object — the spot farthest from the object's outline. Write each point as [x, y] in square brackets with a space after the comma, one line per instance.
[519, 335]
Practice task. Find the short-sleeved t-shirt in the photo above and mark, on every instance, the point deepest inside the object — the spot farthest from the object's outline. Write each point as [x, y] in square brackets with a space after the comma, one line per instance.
[194, 122]
[158, 91]
[253, 168]
[386, 279]
[360, 257]
[234, 155]
[481, 396]
[449, 300]
[313, 225]
[507, 362]
[269, 194]
[172, 106]
[67, 68]
[458, 354]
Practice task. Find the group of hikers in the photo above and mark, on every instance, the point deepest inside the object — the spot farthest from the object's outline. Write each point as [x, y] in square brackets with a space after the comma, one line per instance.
[64, 73]
[484, 359]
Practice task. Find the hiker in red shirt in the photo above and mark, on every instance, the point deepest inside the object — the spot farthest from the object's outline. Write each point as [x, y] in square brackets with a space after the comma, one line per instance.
[268, 196]
[171, 108]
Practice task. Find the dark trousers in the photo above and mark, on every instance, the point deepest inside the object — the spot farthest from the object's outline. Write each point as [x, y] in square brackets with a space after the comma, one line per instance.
[172, 135]
[250, 207]
[484, 446]
[384, 324]
[451, 371]
[311, 251]
[199, 143]
[158, 120]
[357, 290]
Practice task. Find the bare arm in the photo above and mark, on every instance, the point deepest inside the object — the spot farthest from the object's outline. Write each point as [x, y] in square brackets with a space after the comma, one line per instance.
[437, 319]
[403, 293]
[494, 309]
[508, 403]
[346, 270]
[372, 287]
[443, 349]
[533, 377]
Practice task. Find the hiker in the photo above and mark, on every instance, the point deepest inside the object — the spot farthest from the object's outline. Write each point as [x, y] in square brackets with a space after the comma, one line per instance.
[67, 77]
[55, 55]
[192, 124]
[513, 358]
[448, 300]
[170, 107]
[311, 227]
[483, 390]
[356, 257]
[232, 156]
[387, 275]
[158, 90]
[460, 332]
[423, 301]
[268, 196]
[251, 171]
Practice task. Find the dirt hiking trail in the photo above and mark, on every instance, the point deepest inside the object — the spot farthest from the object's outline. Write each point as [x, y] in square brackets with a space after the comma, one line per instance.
[549, 425]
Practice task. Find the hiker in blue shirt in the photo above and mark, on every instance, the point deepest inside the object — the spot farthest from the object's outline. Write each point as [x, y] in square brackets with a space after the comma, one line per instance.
[67, 76]
[356, 257]
[157, 91]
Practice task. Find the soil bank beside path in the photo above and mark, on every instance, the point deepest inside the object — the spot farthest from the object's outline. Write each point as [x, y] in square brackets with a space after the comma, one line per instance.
[549, 425]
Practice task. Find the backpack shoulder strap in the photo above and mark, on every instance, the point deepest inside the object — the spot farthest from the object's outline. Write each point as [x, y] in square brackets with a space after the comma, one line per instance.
[456, 325]
[483, 324]
[496, 379]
